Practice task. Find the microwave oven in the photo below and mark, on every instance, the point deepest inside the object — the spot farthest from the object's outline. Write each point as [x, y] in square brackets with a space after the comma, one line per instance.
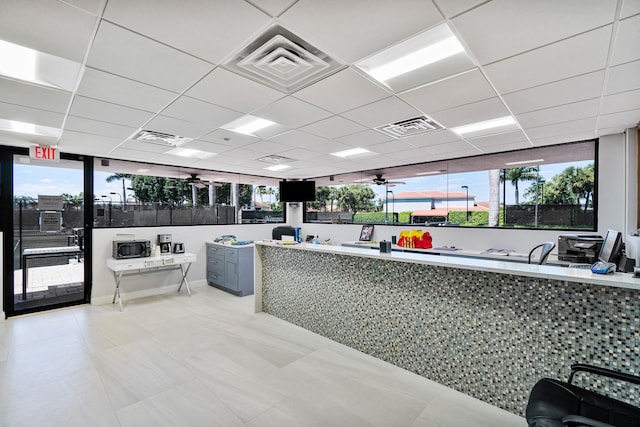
[123, 249]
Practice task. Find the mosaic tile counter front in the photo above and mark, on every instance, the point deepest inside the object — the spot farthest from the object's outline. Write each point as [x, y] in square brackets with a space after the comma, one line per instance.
[488, 335]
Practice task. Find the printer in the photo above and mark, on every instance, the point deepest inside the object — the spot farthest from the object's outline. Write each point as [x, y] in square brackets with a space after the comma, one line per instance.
[579, 248]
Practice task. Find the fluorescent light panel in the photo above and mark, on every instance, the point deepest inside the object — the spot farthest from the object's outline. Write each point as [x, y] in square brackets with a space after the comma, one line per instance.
[28, 128]
[248, 124]
[22, 63]
[277, 167]
[351, 152]
[524, 162]
[424, 49]
[487, 124]
[190, 152]
[431, 172]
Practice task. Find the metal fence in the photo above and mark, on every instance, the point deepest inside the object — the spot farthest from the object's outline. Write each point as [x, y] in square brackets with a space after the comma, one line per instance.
[144, 215]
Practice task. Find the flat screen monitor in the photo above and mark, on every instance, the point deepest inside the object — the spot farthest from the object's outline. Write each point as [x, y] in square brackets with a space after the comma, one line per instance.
[366, 233]
[297, 191]
[611, 247]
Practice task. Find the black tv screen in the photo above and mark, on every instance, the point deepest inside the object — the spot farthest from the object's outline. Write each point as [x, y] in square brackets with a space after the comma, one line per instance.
[297, 191]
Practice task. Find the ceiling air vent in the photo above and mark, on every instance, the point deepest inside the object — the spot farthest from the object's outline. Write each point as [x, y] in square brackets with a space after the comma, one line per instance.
[409, 127]
[159, 138]
[283, 61]
[273, 158]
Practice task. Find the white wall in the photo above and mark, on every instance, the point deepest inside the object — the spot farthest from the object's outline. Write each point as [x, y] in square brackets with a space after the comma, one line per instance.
[614, 190]
[2, 315]
[194, 238]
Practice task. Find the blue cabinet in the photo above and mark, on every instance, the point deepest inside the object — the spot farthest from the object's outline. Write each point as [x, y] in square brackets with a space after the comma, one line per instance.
[230, 268]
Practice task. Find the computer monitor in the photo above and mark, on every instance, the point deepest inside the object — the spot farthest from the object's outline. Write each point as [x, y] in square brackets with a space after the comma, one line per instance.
[611, 247]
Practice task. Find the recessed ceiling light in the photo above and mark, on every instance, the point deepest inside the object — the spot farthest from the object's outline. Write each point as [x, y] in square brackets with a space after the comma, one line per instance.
[524, 162]
[190, 152]
[277, 167]
[22, 63]
[28, 128]
[427, 48]
[247, 125]
[350, 153]
[487, 124]
[431, 172]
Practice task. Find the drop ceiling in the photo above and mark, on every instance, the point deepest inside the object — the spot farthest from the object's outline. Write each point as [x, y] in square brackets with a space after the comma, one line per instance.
[566, 70]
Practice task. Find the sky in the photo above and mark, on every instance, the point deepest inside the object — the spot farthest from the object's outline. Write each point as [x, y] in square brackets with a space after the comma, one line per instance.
[32, 181]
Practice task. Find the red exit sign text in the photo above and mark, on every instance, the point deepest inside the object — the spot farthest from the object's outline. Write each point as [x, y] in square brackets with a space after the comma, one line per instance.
[44, 153]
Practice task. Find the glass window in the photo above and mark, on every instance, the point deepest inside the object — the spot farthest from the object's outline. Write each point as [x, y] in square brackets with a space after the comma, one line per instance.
[131, 194]
[547, 187]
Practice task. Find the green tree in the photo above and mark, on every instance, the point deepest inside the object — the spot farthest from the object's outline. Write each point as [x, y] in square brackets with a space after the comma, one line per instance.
[568, 187]
[515, 175]
[356, 197]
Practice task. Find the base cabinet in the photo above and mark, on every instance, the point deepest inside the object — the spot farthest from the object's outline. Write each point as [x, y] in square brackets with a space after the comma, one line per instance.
[230, 268]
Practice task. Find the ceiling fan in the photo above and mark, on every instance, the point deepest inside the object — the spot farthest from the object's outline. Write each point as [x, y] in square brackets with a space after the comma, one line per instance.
[379, 180]
[200, 183]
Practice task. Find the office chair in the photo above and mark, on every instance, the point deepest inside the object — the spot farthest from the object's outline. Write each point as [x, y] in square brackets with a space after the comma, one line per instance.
[547, 247]
[554, 403]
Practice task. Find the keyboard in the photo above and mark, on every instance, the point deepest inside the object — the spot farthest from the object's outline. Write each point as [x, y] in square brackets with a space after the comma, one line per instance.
[581, 266]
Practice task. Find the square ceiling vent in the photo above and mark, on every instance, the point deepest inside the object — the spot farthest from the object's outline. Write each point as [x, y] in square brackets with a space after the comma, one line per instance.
[274, 158]
[410, 127]
[159, 138]
[283, 61]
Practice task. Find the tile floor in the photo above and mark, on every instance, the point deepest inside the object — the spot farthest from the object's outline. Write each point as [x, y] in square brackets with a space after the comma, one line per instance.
[207, 360]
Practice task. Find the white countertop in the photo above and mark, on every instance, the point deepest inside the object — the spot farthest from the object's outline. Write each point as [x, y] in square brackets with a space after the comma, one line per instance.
[620, 280]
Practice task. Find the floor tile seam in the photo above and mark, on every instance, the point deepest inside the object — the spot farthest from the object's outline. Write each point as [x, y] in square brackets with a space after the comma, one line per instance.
[220, 400]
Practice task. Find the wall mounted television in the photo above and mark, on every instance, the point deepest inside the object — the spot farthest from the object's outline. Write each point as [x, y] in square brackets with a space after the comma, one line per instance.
[297, 191]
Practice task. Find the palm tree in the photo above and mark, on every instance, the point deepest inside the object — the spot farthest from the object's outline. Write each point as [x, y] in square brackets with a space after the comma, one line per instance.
[122, 176]
[515, 175]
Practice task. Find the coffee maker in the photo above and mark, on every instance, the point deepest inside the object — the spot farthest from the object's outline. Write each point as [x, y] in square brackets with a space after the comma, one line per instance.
[164, 243]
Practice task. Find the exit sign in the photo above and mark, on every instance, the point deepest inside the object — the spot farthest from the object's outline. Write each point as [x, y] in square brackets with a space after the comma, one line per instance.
[40, 152]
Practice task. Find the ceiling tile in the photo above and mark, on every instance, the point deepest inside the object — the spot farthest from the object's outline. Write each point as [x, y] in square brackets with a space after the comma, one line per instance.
[298, 139]
[390, 147]
[537, 24]
[227, 137]
[292, 112]
[578, 55]
[502, 139]
[355, 91]
[453, 8]
[209, 147]
[471, 113]
[230, 90]
[81, 143]
[623, 78]
[626, 47]
[452, 147]
[333, 127]
[30, 115]
[518, 145]
[562, 129]
[299, 153]
[95, 127]
[629, 7]
[272, 7]
[628, 119]
[145, 146]
[458, 90]
[107, 112]
[178, 127]
[309, 19]
[107, 87]
[364, 139]
[51, 27]
[27, 95]
[562, 113]
[127, 54]
[128, 154]
[560, 139]
[210, 30]
[621, 102]
[267, 147]
[432, 138]
[557, 93]
[389, 110]
[193, 110]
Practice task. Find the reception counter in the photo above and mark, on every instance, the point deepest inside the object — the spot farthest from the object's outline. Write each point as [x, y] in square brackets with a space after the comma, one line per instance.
[487, 328]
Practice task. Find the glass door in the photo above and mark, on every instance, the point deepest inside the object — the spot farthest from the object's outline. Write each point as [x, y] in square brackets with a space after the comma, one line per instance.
[49, 256]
